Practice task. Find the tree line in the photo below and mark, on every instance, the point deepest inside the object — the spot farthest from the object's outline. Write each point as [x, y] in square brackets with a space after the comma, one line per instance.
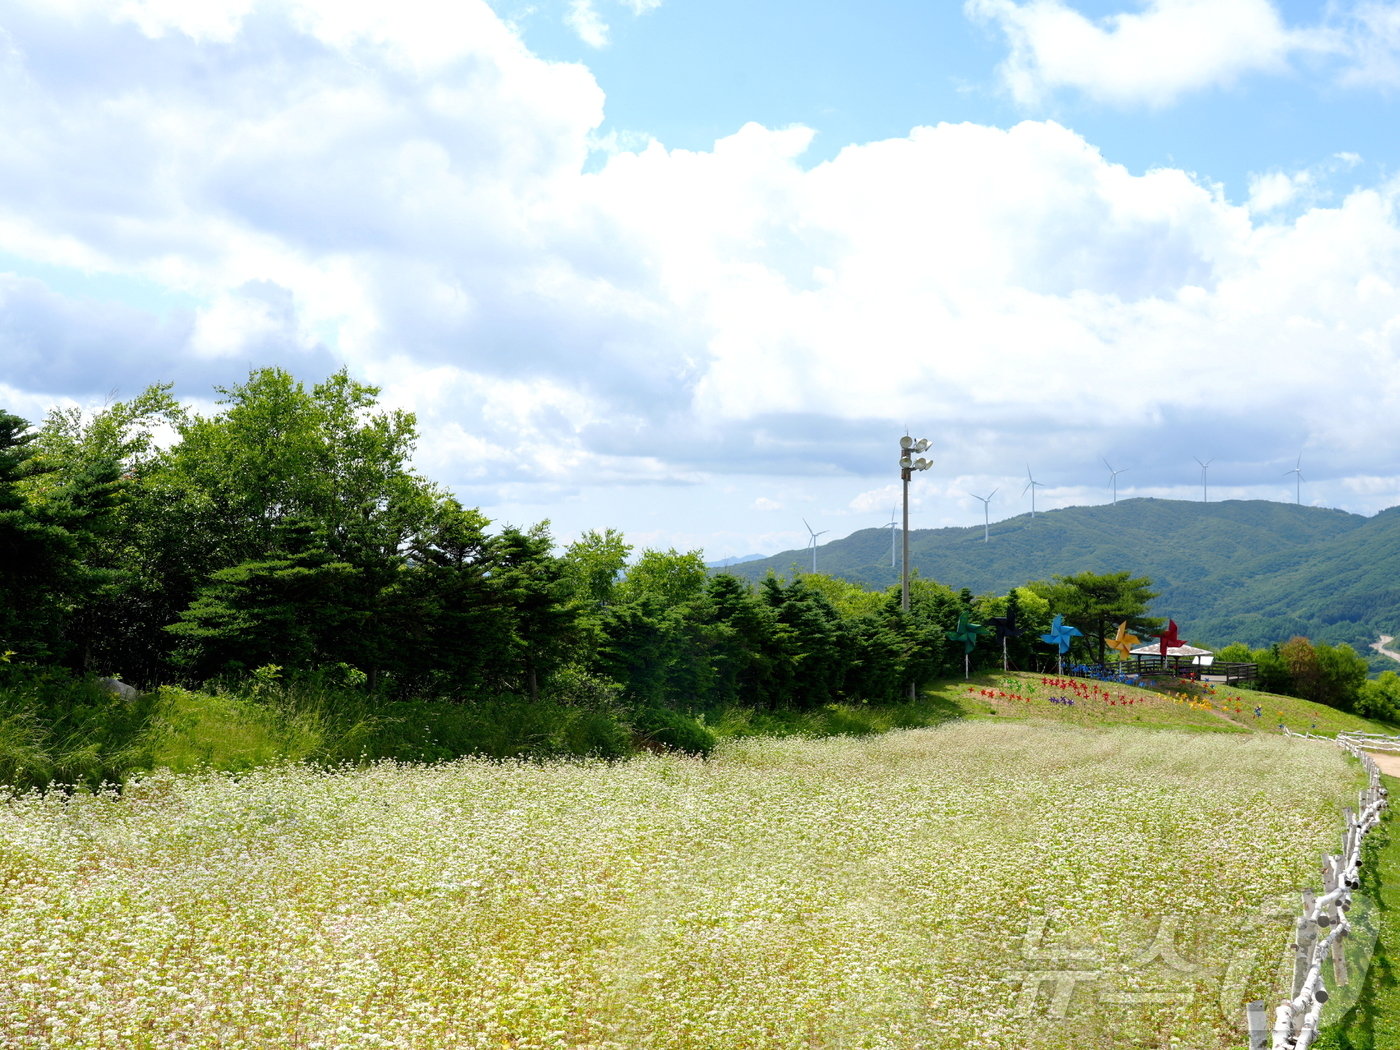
[287, 529]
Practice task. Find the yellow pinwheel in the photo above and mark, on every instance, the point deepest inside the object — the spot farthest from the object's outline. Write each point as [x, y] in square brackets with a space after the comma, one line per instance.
[1123, 641]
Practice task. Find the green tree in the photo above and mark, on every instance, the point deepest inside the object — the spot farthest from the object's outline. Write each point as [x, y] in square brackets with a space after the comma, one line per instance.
[530, 583]
[593, 564]
[37, 555]
[444, 624]
[287, 610]
[669, 577]
[1304, 668]
[98, 471]
[1380, 698]
[1343, 673]
[1097, 603]
[277, 452]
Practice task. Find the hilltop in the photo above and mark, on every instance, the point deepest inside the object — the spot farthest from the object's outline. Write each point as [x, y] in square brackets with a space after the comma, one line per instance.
[1253, 571]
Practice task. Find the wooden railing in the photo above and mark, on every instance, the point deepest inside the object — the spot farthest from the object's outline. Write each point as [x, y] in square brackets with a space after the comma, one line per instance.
[1322, 925]
[1171, 667]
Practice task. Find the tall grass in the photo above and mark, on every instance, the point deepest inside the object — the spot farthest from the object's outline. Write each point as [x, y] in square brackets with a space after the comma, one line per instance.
[58, 728]
[931, 709]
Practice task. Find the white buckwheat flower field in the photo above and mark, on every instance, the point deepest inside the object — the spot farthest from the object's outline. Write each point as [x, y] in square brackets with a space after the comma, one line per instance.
[980, 885]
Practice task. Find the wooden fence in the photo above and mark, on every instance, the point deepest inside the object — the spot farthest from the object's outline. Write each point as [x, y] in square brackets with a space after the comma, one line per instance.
[1171, 667]
[1372, 741]
[1323, 924]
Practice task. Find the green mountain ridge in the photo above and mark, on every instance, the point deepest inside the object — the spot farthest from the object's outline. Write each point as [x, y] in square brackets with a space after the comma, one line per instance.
[1252, 571]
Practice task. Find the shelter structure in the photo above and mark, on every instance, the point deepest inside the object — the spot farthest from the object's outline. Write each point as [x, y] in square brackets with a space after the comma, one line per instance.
[1187, 660]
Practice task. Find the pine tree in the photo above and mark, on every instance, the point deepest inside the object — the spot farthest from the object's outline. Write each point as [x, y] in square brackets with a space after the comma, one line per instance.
[37, 555]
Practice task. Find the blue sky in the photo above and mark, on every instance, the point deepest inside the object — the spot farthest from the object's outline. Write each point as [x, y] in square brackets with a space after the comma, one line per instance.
[689, 269]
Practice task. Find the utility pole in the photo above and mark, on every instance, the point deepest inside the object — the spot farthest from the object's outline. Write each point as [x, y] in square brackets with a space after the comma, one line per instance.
[907, 465]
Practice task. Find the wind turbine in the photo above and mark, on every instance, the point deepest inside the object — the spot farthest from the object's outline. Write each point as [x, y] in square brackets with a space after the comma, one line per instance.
[1113, 477]
[1204, 467]
[813, 542]
[1031, 484]
[986, 513]
[892, 525]
[1298, 480]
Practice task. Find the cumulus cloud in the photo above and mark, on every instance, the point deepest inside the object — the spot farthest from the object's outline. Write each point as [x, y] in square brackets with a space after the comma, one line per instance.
[1372, 34]
[336, 188]
[583, 18]
[1151, 57]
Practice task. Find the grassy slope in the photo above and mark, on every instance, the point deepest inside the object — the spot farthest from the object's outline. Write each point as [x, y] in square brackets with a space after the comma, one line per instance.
[1023, 695]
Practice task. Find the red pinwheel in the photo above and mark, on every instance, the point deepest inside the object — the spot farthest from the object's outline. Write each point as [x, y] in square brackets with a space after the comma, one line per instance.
[1168, 639]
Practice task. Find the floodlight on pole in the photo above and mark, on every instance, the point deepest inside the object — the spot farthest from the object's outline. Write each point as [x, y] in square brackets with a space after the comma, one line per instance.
[907, 465]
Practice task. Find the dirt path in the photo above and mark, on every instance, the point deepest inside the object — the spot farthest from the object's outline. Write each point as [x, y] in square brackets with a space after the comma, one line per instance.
[1380, 647]
[1388, 761]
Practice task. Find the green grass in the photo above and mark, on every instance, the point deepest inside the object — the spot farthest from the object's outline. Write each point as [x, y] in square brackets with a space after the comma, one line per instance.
[1173, 705]
[934, 707]
[197, 730]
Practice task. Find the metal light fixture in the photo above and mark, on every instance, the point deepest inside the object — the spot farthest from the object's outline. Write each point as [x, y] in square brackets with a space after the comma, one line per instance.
[907, 465]
[908, 447]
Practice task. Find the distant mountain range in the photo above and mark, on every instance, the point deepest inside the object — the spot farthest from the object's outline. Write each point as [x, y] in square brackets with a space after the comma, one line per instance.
[1251, 571]
[735, 559]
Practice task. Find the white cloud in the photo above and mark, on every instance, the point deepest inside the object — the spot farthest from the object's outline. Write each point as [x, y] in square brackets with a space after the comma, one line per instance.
[583, 18]
[1151, 58]
[1273, 190]
[1373, 43]
[422, 212]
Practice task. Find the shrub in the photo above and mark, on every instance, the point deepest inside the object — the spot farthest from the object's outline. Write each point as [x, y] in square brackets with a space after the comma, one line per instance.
[661, 727]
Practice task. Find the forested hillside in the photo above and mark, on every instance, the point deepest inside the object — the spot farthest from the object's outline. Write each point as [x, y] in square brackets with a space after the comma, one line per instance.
[1252, 571]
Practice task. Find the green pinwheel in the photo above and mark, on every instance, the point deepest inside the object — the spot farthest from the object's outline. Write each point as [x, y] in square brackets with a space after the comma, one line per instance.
[967, 632]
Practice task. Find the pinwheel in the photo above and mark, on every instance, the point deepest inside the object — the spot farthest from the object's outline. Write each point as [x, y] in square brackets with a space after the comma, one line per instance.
[1168, 639]
[1006, 628]
[967, 632]
[1060, 635]
[1123, 642]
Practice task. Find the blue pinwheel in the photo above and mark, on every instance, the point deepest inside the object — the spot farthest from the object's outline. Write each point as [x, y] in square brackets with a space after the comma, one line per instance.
[1061, 634]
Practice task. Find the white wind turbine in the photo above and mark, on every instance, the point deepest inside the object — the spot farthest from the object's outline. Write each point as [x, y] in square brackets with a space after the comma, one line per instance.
[1204, 467]
[986, 513]
[1113, 477]
[893, 526]
[1032, 485]
[813, 542]
[1297, 471]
